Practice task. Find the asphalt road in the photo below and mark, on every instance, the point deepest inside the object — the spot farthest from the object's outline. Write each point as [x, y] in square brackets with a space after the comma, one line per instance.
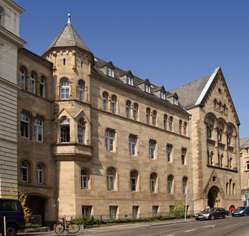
[225, 227]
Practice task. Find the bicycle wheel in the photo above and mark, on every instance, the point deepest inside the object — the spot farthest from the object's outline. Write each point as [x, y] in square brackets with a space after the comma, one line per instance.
[59, 228]
[73, 228]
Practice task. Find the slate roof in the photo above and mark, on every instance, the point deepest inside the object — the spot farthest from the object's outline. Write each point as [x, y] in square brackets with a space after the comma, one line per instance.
[189, 93]
[68, 37]
[244, 143]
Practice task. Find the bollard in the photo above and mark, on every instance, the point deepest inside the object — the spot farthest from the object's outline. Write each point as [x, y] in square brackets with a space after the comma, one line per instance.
[4, 226]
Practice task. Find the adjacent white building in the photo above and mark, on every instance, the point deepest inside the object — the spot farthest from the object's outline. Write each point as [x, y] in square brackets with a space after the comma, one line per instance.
[9, 44]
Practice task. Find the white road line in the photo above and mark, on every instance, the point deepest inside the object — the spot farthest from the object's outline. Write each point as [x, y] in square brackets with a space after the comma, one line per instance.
[188, 231]
[208, 226]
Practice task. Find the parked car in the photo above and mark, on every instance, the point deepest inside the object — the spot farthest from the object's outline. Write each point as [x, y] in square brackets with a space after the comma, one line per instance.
[13, 212]
[211, 214]
[241, 211]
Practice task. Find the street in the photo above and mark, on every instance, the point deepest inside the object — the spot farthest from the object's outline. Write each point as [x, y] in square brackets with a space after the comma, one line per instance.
[229, 226]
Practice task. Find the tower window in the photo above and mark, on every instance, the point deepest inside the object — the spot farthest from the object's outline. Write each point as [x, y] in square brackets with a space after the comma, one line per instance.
[64, 61]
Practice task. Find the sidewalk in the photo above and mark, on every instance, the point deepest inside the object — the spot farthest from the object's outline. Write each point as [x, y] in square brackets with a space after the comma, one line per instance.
[112, 228]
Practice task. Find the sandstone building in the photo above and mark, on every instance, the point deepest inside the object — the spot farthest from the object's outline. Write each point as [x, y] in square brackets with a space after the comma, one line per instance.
[244, 164]
[9, 44]
[95, 139]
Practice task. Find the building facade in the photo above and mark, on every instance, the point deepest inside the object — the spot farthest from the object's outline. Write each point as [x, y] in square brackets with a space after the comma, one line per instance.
[98, 140]
[9, 44]
[244, 165]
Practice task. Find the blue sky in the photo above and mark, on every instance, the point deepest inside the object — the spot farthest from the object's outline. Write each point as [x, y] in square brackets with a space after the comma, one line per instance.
[171, 42]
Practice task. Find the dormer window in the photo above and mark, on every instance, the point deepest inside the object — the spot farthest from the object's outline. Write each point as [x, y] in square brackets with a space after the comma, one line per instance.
[163, 95]
[130, 81]
[110, 72]
[175, 100]
[147, 88]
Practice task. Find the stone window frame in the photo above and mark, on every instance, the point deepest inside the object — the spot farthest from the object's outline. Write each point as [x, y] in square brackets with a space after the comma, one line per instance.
[134, 180]
[153, 182]
[40, 173]
[132, 144]
[111, 179]
[170, 184]
[85, 178]
[80, 90]
[64, 88]
[152, 149]
[110, 140]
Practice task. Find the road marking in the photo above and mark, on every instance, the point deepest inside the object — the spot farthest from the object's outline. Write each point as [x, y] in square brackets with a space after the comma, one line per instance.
[189, 230]
[208, 226]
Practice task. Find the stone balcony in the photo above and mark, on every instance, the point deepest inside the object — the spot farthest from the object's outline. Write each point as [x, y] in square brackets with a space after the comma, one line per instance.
[72, 150]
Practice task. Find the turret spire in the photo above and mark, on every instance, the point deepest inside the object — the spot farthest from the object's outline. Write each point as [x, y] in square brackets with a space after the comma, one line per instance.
[68, 18]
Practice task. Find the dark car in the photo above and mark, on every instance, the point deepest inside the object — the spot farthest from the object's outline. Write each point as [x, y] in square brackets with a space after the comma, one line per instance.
[211, 214]
[13, 212]
[241, 211]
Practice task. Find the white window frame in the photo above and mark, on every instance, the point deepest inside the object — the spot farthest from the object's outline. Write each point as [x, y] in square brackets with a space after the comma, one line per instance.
[25, 120]
[64, 89]
[38, 130]
[110, 140]
[84, 179]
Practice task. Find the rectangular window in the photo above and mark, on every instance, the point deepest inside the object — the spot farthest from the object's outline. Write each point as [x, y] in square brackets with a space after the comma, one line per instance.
[155, 210]
[132, 145]
[25, 125]
[110, 182]
[169, 149]
[110, 72]
[110, 140]
[86, 211]
[135, 212]
[113, 212]
[247, 165]
[38, 130]
[171, 123]
[152, 149]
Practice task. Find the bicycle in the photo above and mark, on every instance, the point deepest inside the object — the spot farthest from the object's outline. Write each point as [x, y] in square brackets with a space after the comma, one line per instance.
[66, 225]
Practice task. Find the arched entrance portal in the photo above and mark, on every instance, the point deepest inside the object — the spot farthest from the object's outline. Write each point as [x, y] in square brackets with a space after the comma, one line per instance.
[213, 198]
[37, 206]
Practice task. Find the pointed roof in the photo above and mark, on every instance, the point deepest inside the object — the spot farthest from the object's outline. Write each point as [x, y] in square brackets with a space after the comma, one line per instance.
[68, 37]
[189, 93]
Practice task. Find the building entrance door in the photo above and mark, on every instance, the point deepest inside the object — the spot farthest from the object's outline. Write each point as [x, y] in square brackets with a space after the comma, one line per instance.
[213, 199]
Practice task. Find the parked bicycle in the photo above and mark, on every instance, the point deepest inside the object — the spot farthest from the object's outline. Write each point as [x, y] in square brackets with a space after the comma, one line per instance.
[66, 225]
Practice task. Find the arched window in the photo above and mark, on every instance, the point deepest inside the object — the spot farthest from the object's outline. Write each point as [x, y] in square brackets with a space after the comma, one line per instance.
[154, 117]
[43, 86]
[134, 181]
[25, 125]
[80, 90]
[153, 182]
[84, 178]
[105, 101]
[65, 131]
[171, 123]
[233, 192]
[185, 126]
[227, 188]
[1, 16]
[230, 186]
[148, 115]
[81, 131]
[135, 111]
[128, 109]
[209, 121]
[25, 171]
[38, 129]
[180, 126]
[64, 88]
[114, 104]
[40, 173]
[33, 79]
[152, 149]
[184, 185]
[23, 77]
[111, 179]
[170, 184]
[165, 120]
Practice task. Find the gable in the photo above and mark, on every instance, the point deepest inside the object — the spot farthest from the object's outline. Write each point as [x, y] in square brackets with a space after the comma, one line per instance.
[216, 97]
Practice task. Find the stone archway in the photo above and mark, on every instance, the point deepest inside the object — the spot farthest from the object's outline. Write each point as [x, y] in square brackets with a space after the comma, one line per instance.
[213, 197]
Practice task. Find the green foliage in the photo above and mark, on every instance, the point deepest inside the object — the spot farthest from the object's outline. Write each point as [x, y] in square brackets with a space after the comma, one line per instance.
[86, 221]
